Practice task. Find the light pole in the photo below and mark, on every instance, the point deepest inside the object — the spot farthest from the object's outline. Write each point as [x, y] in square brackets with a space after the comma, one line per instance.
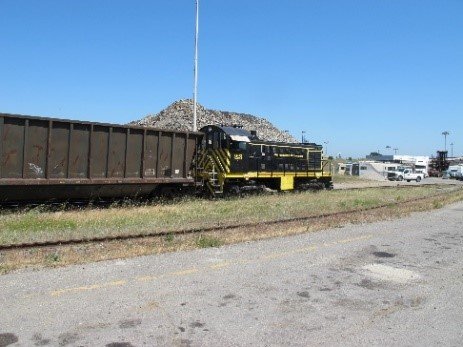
[302, 137]
[388, 147]
[451, 149]
[326, 143]
[396, 150]
[195, 69]
[445, 133]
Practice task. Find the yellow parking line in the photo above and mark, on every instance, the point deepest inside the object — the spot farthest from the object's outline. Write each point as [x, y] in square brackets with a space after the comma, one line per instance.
[89, 287]
[184, 272]
[219, 265]
[147, 278]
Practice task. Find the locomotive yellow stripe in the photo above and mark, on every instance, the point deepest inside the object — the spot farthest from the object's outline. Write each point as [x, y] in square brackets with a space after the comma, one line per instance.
[217, 162]
[226, 155]
[221, 155]
[268, 174]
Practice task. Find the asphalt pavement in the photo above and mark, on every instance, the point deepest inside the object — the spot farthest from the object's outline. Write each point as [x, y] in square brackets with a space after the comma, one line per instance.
[395, 283]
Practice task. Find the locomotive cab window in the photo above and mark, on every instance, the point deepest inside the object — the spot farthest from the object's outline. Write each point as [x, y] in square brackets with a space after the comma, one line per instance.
[238, 145]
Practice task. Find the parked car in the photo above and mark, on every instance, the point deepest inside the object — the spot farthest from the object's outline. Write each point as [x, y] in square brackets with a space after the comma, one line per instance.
[455, 171]
[403, 173]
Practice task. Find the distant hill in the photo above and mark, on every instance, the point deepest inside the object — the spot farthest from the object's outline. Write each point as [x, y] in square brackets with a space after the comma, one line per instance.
[179, 116]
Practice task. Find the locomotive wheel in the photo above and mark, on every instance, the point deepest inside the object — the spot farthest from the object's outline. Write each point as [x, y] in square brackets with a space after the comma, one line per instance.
[233, 190]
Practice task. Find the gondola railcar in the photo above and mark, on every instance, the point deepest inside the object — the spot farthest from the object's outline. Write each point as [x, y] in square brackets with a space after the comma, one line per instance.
[48, 159]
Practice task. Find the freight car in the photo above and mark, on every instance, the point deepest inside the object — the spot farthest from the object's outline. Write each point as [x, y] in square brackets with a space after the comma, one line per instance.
[233, 160]
[47, 159]
[56, 159]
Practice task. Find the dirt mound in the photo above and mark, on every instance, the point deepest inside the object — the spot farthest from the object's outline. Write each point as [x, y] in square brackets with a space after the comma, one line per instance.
[179, 116]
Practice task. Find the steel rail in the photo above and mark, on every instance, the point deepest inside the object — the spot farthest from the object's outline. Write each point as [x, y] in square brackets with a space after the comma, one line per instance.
[44, 244]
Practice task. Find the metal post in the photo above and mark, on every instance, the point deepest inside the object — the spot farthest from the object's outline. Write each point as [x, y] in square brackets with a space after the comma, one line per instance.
[445, 133]
[195, 87]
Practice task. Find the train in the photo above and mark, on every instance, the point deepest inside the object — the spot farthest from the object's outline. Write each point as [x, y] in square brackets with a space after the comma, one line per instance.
[50, 159]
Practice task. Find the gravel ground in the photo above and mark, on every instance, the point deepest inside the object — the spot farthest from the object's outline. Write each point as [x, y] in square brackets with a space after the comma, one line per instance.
[389, 283]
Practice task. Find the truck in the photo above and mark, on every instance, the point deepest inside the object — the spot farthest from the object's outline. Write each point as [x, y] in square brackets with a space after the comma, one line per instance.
[404, 173]
[455, 171]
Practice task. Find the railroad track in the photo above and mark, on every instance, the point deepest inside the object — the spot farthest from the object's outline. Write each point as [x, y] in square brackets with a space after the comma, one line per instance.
[73, 205]
[102, 239]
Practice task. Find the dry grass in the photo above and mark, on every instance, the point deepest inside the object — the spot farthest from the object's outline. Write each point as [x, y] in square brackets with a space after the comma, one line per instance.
[221, 212]
[36, 225]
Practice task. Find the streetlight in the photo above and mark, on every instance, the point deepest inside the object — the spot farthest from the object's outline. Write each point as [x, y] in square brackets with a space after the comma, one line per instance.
[195, 69]
[396, 150]
[451, 151]
[445, 133]
[388, 147]
[326, 143]
[302, 137]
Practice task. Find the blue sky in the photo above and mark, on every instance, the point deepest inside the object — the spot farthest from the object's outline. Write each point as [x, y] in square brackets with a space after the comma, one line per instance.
[361, 75]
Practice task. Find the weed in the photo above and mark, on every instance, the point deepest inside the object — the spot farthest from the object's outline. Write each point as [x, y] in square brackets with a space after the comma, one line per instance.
[207, 241]
[3, 269]
[169, 238]
[53, 257]
[33, 221]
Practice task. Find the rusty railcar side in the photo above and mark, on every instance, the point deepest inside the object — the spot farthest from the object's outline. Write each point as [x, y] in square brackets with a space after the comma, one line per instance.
[47, 158]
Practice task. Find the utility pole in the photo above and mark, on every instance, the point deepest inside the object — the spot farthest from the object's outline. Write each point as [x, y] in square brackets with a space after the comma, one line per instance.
[326, 143]
[395, 151]
[451, 150]
[195, 86]
[445, 133]
[302, 137]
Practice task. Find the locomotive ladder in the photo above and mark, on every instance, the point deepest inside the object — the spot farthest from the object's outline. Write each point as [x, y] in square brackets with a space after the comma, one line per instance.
[213, 182]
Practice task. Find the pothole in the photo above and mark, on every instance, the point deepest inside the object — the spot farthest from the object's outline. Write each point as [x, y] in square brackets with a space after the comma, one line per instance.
[389, 273]
[383, 255]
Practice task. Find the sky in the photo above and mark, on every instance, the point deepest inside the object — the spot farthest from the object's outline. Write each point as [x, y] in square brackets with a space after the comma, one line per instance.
[360, 75]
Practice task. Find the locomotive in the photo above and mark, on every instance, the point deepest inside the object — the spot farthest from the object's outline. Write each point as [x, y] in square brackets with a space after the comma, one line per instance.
[49, 159]
[233, 160]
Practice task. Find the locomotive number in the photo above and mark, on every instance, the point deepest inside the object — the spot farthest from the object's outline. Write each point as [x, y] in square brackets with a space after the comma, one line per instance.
[238, 156]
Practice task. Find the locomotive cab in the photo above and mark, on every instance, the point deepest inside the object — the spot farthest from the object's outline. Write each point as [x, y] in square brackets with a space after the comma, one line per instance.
[230, 144]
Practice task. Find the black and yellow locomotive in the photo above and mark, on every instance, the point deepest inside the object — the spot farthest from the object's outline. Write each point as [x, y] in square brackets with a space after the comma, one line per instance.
[233, 160]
